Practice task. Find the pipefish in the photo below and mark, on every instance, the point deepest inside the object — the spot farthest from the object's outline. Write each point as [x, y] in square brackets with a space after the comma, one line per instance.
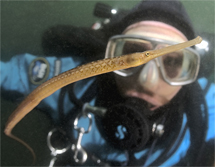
[82, 72]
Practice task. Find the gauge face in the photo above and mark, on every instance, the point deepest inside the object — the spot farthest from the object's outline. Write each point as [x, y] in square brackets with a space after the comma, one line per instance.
[38, 71]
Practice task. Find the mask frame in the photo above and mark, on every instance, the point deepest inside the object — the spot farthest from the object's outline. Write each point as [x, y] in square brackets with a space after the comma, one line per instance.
[189, 67]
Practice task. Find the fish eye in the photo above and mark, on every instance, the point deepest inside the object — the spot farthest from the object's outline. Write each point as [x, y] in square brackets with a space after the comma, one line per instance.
[147, 54]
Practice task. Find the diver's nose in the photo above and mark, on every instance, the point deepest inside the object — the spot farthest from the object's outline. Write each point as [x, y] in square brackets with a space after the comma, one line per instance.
[149, 75]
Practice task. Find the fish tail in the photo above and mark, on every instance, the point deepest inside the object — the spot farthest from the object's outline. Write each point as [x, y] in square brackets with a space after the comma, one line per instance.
[25, 144]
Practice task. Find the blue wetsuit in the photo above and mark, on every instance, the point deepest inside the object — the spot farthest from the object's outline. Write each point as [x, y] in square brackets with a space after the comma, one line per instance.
[23, 73]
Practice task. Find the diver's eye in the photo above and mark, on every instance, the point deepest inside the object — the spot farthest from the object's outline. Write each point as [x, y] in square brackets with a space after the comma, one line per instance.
[173, 60]
[133, 47]
[172, 63]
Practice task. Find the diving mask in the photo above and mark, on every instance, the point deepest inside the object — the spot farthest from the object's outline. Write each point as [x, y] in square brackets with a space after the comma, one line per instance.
[177, 68]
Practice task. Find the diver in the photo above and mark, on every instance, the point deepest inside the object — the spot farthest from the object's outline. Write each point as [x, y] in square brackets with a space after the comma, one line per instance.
[157, 114]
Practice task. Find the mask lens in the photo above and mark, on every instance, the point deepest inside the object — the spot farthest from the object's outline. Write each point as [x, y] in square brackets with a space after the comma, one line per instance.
[179, 68]
[134, 46]
[123, 46]
[172, 63]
